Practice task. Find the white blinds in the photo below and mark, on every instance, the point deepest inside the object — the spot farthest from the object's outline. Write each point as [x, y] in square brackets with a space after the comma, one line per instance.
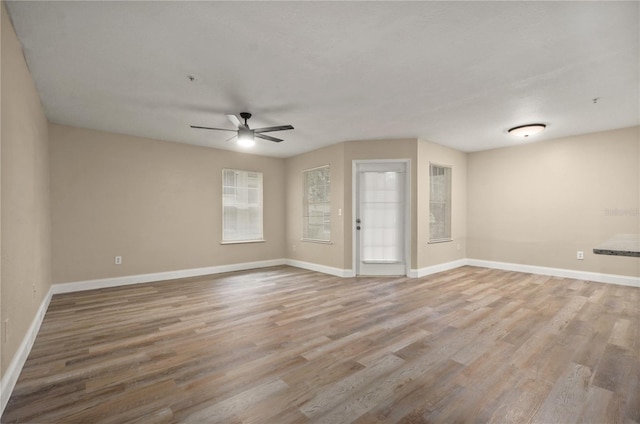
[316, 208]
[439, 203]
[241, 205]
[381, 214]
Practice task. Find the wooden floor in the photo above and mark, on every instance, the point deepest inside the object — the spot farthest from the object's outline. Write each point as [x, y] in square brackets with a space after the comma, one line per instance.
[285, 345]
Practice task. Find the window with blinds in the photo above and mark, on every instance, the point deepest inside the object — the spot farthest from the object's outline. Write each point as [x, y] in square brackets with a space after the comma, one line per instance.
[241, 206]
[316, 208]
[439, 203]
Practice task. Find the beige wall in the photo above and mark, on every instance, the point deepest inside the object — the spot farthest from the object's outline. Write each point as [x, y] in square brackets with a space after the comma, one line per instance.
[25, 270]
[439, 253]
[539, 203]
[332, 254]
[3, 12]
[341, 156]
[156, 204]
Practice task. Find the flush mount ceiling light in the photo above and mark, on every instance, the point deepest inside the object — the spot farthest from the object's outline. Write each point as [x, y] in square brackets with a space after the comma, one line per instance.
[527, 130]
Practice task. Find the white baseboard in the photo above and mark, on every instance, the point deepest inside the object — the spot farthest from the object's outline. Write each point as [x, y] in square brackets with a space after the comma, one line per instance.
[160, 276]
[531, 269]
[338, 272]
[10, 376]
[423, 272]
[558, 272]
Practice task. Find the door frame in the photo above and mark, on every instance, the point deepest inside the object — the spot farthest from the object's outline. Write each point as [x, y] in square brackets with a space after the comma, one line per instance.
[407, 210]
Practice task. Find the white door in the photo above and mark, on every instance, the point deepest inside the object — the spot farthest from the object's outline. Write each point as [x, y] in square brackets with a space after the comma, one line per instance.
[381, 218]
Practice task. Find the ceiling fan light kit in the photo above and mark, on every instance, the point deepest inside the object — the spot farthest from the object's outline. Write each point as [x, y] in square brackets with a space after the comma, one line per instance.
[246, 136]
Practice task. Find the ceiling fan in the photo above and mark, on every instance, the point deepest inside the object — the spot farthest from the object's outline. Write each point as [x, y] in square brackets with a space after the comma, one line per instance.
[246, 136]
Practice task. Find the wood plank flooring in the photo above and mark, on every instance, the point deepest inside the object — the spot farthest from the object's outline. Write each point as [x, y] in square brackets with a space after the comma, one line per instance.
[285, 345]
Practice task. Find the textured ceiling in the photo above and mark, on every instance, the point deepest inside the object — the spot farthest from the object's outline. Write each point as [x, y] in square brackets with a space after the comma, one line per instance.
[456, 73]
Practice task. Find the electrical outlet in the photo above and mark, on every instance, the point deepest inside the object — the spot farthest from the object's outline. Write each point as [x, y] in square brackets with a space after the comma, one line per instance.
[33, 288]
[118, 260]
[6, 330]
[580, 255]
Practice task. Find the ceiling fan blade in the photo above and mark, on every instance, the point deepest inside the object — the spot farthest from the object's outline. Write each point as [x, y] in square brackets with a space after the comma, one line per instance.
[266, 137]
[236, 121]
[210, 128]
[230, 138]
[269, 129]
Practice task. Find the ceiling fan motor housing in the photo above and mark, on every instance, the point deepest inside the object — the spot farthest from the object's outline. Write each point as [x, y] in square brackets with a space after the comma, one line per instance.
[245, 133]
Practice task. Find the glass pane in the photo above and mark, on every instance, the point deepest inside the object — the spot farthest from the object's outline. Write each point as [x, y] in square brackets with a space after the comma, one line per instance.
[242, 205]
[439, 202]
[381, 216]
[316, 217]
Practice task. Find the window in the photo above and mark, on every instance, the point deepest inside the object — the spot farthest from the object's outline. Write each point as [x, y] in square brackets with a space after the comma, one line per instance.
[439, 203]
[241, 206]
[316, 214]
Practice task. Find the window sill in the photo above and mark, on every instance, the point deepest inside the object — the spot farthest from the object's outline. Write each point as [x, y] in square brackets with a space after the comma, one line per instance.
[316, 241]
[242, 241]
[440, 241]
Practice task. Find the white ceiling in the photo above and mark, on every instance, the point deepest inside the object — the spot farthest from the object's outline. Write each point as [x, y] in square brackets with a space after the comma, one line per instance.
[456, 73]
